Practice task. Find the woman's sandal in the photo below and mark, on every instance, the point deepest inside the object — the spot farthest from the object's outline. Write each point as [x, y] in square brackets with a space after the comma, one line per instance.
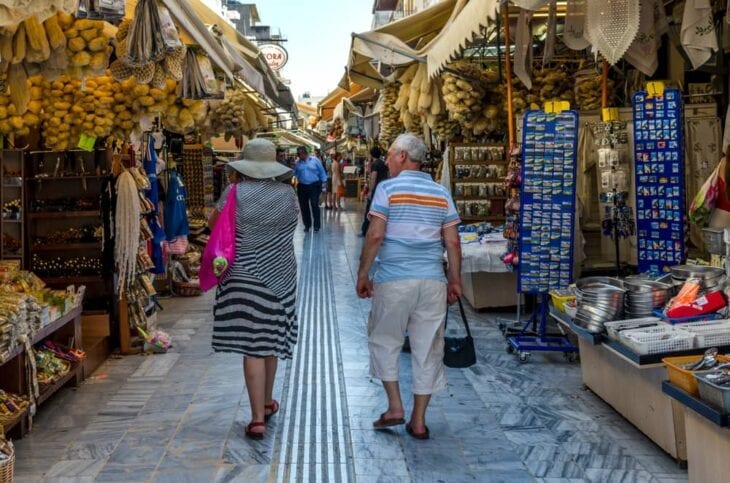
[254, 434]
[273, 407]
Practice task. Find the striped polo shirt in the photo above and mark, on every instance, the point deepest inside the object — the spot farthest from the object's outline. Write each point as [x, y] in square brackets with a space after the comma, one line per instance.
[415, 209]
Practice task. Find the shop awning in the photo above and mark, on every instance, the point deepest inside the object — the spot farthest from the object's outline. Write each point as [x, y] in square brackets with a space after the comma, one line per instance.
[462, 28]
[396, 44]
[328, 105]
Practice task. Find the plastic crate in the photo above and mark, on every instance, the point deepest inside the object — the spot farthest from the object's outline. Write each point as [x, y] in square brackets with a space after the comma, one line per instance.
[718, 396]
[709, 334]
[613, 329]
[683, 378]
[714, 240]
[655, 340]
[559, 299]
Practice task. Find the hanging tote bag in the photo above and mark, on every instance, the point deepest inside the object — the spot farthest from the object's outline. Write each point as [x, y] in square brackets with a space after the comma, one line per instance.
[459, 351]
[220, 251]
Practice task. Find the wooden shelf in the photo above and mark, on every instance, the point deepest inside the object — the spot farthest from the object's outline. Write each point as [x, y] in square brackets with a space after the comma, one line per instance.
[478, 180]
[9, 425]
[11, 221]
[46, 331]
[467, 163]
[482, 218]
[74, 280]
[64, 214]
[58, 178]
[50, 389]
[49, 247]
[479, 198]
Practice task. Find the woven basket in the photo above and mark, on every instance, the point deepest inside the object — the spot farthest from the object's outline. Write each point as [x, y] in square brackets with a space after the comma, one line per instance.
[6, 469]
[186, 289]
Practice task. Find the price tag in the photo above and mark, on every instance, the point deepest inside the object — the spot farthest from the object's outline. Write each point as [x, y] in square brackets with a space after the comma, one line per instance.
[556, 107]
[655, 88]
[87, 143]
[609, 114]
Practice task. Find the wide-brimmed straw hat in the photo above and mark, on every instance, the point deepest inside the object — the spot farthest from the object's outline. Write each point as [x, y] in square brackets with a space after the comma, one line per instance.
[259, 161]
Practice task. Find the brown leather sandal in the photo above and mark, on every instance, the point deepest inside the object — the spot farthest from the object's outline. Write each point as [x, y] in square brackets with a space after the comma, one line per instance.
[384, 422]
[273, 407]
[253, 434]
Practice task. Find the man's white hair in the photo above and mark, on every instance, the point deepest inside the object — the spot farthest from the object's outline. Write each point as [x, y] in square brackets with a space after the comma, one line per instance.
[412, 144]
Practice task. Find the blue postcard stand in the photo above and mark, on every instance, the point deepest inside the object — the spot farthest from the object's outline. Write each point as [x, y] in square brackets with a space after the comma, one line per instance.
[659, 169]
[547, 220]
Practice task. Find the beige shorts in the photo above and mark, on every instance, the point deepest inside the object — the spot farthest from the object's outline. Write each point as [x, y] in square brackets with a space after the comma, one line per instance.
[418, 306]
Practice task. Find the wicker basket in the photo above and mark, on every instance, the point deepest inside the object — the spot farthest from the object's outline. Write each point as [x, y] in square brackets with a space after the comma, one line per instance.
[7, 468]
[186, 289]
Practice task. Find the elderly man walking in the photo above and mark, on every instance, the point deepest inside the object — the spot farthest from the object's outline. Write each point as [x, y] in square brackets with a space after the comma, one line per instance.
[412, 219]
[311, 176]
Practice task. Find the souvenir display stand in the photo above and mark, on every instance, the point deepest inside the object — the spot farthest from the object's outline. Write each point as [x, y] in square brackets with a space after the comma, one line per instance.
[478, 181]
[658, 128]
[547, 211]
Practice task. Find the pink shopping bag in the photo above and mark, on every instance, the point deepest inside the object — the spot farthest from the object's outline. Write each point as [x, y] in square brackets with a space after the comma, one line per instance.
[220, 251]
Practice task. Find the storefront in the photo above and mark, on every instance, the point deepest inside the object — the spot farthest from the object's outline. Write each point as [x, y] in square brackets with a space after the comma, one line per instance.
[107, 180]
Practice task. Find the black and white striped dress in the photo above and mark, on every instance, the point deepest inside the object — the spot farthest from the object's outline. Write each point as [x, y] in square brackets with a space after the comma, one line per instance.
[255, 309]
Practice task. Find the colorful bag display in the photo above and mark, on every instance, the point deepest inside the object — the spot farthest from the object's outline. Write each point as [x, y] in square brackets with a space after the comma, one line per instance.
[220, 251]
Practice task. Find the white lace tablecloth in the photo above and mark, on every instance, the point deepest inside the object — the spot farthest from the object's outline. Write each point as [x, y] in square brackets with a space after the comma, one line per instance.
[477, 257]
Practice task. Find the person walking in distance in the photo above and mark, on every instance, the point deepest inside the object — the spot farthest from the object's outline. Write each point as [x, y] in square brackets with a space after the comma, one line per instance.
[412, 218]
[378, 173]
[338, 184]
[311, 177]
[255, 307]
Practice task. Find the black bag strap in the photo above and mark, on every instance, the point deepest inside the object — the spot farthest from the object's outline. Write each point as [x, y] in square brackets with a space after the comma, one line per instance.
[463, 317]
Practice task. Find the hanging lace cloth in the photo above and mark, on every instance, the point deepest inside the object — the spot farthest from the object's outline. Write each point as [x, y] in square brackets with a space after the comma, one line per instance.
[698, 36]
[523, 47]
[612, 26]
[575, 16]
[652, 26]
[530, 4]
[552, 23]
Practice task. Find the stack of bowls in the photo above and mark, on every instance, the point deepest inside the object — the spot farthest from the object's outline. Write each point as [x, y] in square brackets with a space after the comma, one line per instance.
[711, 277]
[600, 300]
[643, 296]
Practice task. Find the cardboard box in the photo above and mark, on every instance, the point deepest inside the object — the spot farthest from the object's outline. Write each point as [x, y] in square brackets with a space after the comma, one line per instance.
[488, 290]
[95, 325]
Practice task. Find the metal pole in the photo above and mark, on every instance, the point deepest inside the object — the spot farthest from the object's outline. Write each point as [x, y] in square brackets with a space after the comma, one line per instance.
[508, 73]
[604, 84]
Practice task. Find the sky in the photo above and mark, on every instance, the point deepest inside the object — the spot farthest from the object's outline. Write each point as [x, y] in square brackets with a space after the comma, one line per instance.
[318, 38]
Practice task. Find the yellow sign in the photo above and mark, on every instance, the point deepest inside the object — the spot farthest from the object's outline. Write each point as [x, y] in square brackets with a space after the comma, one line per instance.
[87, 143]
[556, 107]
[655, 88]
[609, 114]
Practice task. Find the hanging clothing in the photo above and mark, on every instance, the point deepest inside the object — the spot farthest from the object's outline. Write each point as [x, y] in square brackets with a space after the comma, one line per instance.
[698, 36]
[176, 216]
[155, 246]
[255, 309]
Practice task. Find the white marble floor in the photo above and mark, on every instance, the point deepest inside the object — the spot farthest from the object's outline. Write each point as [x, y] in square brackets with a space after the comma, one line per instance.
[180, 416]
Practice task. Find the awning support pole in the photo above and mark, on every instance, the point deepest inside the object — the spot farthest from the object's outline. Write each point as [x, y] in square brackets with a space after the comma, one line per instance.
[508, 73]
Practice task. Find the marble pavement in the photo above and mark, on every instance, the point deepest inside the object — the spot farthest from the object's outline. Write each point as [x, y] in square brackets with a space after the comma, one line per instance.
[180, 416]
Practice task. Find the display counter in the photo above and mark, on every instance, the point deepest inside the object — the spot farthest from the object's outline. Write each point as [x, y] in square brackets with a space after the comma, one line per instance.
[632, 387]
[486, 281]
[708, 436]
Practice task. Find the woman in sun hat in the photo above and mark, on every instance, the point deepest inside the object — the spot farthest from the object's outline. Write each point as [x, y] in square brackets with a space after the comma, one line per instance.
[255, 307]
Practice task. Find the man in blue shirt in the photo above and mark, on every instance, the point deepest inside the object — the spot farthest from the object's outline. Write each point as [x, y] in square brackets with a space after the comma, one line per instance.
[311, 177]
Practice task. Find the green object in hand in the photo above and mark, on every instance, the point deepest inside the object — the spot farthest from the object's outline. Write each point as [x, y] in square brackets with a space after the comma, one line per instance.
[220, 265]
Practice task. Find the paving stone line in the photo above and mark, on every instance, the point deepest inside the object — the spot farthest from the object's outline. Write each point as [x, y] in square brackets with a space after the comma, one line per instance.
[314, 439]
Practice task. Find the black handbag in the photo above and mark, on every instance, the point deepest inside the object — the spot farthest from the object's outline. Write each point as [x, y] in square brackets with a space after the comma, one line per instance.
[459, 351]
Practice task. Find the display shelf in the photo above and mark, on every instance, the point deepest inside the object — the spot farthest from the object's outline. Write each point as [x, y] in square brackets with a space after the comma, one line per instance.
[463, 155]
[11, 189]
[12, 221]
[59, 178]
[49, 390]
[65, 246]
[650, 359]
[39, 215]
[75, 280]
[697, 405]
[9, 425]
